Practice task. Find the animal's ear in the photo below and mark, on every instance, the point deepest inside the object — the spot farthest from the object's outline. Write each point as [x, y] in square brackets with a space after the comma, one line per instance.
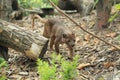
[64, 35]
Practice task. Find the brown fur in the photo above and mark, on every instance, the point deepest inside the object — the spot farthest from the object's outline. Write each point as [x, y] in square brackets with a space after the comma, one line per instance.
[58, 34]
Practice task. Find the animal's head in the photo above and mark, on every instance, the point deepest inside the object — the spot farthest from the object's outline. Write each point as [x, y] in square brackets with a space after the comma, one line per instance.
[69, 39]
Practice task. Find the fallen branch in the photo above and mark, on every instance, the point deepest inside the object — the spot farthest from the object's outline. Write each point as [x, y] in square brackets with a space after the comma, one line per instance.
[63, 13]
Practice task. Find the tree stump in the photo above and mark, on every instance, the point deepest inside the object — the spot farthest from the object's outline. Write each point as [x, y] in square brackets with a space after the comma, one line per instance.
[27, 42]
[103, 9]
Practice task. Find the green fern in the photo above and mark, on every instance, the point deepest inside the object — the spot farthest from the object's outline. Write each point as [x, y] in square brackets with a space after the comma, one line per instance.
[58, 67]
[69, 68]
[45, 71]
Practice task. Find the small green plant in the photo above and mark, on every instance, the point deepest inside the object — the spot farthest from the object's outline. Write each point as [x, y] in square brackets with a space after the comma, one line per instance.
[3, 64]
[36, 3]
[116, 14]
[96, 1]
[46, 72]
[25, 3]
[58, 67]
[69, 68]
[117, 6]
[117, 38]
[46, 3]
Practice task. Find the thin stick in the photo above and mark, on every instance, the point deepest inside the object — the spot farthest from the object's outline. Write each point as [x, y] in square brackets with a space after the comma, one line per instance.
[63, 13]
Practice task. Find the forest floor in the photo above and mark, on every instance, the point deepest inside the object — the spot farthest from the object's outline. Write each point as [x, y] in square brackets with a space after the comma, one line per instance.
[104, 60]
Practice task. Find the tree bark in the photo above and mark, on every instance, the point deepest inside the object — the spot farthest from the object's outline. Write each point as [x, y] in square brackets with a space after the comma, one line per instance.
[5, 11]
[27, 42]
[17, 13]
[103, 9]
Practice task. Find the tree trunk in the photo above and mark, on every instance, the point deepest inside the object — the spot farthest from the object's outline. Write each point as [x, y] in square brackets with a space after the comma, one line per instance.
[5, 10]
[27, 42]
[17, 13]
[103, 9]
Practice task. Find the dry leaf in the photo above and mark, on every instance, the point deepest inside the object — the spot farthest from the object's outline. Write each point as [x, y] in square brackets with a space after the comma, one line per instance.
[91, 24]
[85, 43]
[83, 25]
[83, 65]
[108, 64]
[113, 34]
[15, 77]
[77, 39]
[23, 73]
[112, 49]
[96, 41]
[92, 58]
[87, 37]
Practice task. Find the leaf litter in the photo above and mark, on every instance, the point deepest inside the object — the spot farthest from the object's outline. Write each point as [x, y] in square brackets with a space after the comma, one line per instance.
[96, 57]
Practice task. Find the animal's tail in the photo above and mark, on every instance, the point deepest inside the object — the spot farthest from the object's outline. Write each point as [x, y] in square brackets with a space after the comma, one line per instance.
[35, 16]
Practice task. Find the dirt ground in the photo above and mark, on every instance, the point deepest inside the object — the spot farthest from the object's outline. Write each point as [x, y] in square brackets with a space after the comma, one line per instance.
[103, 58]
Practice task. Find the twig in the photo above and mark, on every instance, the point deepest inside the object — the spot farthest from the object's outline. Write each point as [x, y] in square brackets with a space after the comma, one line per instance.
[63, 13]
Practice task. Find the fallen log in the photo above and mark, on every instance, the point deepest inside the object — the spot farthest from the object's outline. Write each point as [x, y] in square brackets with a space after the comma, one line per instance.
[31, 44]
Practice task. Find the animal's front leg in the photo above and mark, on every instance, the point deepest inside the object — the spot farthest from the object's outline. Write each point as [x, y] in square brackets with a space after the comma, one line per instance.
[52, 42]
[57, 45]
[70, 54]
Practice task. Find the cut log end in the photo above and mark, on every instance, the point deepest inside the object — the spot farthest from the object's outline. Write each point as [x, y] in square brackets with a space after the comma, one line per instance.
[34, 51]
